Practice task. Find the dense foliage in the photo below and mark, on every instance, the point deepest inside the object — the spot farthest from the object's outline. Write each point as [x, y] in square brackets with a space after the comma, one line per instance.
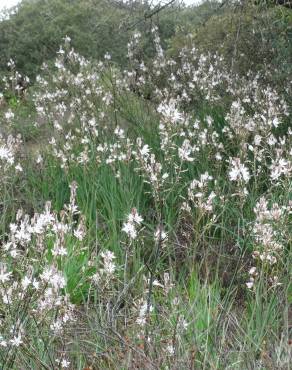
[32, 34]
[250, 37]
[146, 202]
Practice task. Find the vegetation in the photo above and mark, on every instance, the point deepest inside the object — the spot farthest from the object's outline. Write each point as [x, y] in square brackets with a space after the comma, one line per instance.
[32, 35]
[145, 189]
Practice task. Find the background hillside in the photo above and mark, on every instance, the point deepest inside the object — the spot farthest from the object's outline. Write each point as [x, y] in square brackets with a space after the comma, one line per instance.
[250, 35]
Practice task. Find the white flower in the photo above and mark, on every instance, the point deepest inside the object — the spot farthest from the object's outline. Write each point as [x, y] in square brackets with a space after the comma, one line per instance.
[250, 284]
[36, 284]
[9, 115]
[39, 159]
[109, 267]
[276, 122]
[238, 171]
[67, 39]
[58, 281]
[185, 151]
[160, 235]
[55, 278]
[130, 230]
[169, 112]
[4, 276]
[108, 255]
[144, 151]
[79, 233]
[170, 349]
[56, 326]
[25, 282]
[6, 154]
[3, 342]
[16, 341]
[279, 167]
[22, 234]
[158, 284]
[65, 363]
[257, 140]
[18, 168]
[59, 250]
[141, 319]
[252, 271]
[134, 217]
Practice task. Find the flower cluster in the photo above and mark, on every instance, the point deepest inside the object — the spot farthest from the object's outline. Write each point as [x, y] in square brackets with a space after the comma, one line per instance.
[133, 220]
[271, 232]
[9, 149]
[33, 282]
[199, 195]
[197, 143]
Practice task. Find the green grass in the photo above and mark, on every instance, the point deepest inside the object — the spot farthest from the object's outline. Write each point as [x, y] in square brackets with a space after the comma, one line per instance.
[228, 327]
